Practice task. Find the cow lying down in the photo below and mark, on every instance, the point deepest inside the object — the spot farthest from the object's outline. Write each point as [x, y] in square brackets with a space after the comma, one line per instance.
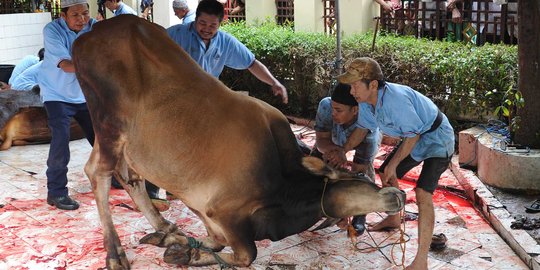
[232, 159]
[23, 120]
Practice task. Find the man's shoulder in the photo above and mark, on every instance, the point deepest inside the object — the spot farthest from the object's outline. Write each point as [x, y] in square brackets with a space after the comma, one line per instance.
[179, 28]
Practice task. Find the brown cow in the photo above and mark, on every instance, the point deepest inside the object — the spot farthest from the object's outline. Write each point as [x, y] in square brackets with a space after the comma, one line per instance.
[232, 159]
[23, 120]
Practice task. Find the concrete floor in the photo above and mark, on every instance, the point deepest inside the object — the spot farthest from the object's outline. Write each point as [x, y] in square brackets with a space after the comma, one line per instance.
[35, 235]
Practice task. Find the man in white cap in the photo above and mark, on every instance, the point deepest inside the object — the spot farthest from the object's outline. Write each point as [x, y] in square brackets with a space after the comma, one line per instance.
[62, 96]
[185, 10]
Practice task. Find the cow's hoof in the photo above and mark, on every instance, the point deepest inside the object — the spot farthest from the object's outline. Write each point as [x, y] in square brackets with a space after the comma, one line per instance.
[155, 239]
[115, 265]
[177, 254]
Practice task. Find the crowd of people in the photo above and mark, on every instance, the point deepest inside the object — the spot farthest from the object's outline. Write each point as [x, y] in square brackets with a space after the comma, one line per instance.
[361, 108]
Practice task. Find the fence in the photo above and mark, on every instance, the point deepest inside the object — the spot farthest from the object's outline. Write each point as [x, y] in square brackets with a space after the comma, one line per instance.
[479, 21]
[18, 6]
[284, 11]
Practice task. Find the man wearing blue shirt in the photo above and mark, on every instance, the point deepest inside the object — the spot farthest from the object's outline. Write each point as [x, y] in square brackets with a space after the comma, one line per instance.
[28, 79]
[213, 49]
[427, 136]
[337, 132]
[25, 63]
[62, 95]
[117, 7]
[184, 11]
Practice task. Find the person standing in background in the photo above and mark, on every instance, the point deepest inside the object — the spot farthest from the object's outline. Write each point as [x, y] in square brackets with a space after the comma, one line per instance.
[62, 96]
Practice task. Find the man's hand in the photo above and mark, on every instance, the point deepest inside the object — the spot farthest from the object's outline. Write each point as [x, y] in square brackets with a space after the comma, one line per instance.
[389, 176]
[335, 158]
[279, 89]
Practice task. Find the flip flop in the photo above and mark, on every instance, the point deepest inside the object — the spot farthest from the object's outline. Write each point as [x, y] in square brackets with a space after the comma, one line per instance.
[438, 241]
[534, 207]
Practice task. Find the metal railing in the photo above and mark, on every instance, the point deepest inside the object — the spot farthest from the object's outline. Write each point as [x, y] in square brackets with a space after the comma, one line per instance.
[30, 6]
[329, 16]
[481, 21]
[235, 10]
[284, 11]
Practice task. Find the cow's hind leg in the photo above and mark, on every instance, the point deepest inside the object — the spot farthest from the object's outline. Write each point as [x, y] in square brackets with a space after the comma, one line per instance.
[99, 170]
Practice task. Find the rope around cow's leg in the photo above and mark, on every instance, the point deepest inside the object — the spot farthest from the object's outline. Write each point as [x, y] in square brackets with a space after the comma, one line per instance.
[194, 243]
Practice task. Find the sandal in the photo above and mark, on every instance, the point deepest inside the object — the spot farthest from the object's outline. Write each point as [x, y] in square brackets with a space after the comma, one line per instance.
[534, 207]
[438, 241]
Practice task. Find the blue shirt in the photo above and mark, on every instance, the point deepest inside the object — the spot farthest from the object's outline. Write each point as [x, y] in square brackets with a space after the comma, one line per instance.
[25, 63]
[223, 50]
[340, 133]
[404, 112]
[27, 79]
[190, 17]
[124, 9]
[54, 83]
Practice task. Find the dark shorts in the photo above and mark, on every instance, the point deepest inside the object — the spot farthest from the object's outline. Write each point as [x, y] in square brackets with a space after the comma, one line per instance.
[430, 174]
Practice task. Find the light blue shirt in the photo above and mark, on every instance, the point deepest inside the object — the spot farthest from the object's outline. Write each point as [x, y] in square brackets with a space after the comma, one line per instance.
[190, 17]
[27, 79]
[54, 83]
[25, 63]
[404, 112]
[223, 50]
[124, 9]
[340, 133]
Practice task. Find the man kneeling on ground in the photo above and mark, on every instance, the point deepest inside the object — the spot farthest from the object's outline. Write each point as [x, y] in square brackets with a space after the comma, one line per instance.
[338, 132]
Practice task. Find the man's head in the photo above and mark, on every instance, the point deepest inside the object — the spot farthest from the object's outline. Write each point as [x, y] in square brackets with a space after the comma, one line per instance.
[112, 5]
[364, 75]
[75, 13]
[208, 18]
[41, 53]
[344, 105]
[180, 8]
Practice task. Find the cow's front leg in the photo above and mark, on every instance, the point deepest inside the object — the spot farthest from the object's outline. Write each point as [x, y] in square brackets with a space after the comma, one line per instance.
[100, 178]
[136, 189]
[162, 239]
[195, 254]
[238, 235]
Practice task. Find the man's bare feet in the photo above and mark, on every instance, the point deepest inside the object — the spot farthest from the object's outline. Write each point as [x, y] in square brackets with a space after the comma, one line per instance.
[390, 222]
[417, 265]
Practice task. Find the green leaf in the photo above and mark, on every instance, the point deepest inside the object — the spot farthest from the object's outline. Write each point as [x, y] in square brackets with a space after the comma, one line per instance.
[505, 111]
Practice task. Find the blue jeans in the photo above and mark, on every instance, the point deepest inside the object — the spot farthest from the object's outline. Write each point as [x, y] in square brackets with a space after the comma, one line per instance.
[59, 116]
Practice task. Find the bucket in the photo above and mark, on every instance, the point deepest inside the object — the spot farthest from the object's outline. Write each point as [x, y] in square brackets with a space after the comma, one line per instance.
[5, 72]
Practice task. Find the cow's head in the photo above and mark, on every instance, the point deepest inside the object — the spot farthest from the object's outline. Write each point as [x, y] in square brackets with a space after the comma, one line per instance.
[356, 196]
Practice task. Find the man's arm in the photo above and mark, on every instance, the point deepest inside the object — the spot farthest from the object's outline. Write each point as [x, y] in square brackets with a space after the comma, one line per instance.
[263, 74]
[323, 141]
[385, 5]
[333, 154]
[67, 66]
[405, 148]
[357, 136]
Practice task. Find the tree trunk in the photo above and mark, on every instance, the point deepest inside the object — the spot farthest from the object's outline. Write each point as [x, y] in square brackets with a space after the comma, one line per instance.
[528, 132]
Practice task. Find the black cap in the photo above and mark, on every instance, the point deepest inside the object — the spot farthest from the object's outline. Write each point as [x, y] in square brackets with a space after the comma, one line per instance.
[342, 94]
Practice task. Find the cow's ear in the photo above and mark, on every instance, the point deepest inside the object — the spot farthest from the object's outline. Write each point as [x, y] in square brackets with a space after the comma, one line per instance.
[317, 166]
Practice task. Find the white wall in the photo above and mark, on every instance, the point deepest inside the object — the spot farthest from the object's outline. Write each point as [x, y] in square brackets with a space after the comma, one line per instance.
[20, 35]
[164, 14]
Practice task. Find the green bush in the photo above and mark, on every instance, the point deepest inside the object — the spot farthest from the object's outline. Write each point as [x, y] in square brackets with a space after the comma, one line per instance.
[456, 76]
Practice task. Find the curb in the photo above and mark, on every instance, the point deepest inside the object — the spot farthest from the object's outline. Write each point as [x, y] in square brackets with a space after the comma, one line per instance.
[495, 212]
